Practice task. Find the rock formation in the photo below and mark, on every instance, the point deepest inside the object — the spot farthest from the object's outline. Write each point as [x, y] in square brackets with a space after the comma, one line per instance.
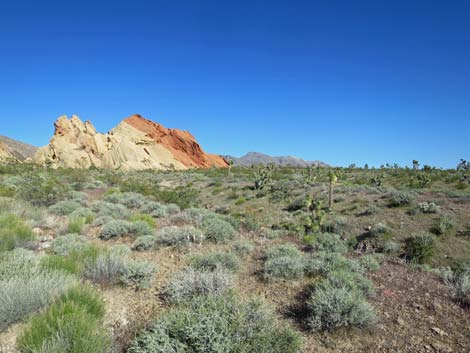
[5, 152]
[135, 144]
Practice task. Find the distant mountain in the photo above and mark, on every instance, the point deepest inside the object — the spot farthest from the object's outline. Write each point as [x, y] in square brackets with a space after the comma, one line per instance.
[17, 149]
[252, 158]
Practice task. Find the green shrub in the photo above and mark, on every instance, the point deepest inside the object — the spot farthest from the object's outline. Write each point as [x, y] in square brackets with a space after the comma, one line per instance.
[83, 212]
[61, 263]
[152, 223]
[217, 230]
[215, 260]
[101, 221]
[65, 207]
[41, 191]
[331, 306]
[137, 274]
[460, 286]
[443, 225]
[145, 242]
[421, 247]
[76, 225]
[72, 324]
[115, 228]
[218, 324]
[14, 232]
[178, 236]
[285, 267]
[400, 198]
[190, 283]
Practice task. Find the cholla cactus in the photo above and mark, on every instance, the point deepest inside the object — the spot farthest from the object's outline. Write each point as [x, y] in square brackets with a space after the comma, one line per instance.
[377, 179]
[423, 180]
[263, 175]
[310, 174]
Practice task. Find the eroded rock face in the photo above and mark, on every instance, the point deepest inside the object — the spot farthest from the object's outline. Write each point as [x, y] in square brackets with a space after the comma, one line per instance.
[5, 153]
[135, 144]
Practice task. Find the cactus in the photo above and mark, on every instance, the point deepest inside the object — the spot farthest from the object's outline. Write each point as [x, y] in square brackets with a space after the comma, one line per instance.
[310, 175]
[230, 164]
[377, 179]
[263, 175]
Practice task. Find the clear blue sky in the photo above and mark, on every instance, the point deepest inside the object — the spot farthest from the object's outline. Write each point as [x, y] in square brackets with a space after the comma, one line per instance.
[341, 81]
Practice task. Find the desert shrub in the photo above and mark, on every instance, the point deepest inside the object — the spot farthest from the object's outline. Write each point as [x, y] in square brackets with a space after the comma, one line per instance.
[106, 268]
[141, 228]
[217, 230]
[371, 262]
[282, 250]
[13, 232]
[285, 267]
[389, 246]
[400, 198]
[40, 191]
[144, 242]
[114, 210]
[137, 274]
[332, 306]
[460, 286]
[65, 244]
[428, 207]
[218, 324]
[443, 225]
[25, 287]
[351, 281]
[65, 207]
[172, 209]
[214, 261]
[139, 217]
[420, 247]
[115, 228]
[190, 283]
[330, 242]
[323, 263]
[72, 324]
[380, 229]
[128, 199]
[274, 233]
[82, 212]
[178, 236]
[101, 221]
[77, 196]
[155, 209]
[76, 225]
[243, 247]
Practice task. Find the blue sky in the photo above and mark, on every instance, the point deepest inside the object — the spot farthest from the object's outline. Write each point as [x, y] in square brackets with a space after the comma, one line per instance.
[340, 81]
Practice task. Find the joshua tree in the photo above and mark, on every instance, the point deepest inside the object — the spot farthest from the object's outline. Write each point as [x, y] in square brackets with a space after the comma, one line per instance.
[332, 179]
[415, 164]
[310, 175]
[366, 166]
[230, 164]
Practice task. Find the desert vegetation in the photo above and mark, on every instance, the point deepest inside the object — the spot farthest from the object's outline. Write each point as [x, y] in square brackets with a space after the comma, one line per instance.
[254, 259]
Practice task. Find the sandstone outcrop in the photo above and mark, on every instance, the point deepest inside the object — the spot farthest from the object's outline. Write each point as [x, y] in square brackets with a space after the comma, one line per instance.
[5, 153]
[135, 144]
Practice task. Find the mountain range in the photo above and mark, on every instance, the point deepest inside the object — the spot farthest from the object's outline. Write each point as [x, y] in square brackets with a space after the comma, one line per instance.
[134, 144]
[253, 158]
